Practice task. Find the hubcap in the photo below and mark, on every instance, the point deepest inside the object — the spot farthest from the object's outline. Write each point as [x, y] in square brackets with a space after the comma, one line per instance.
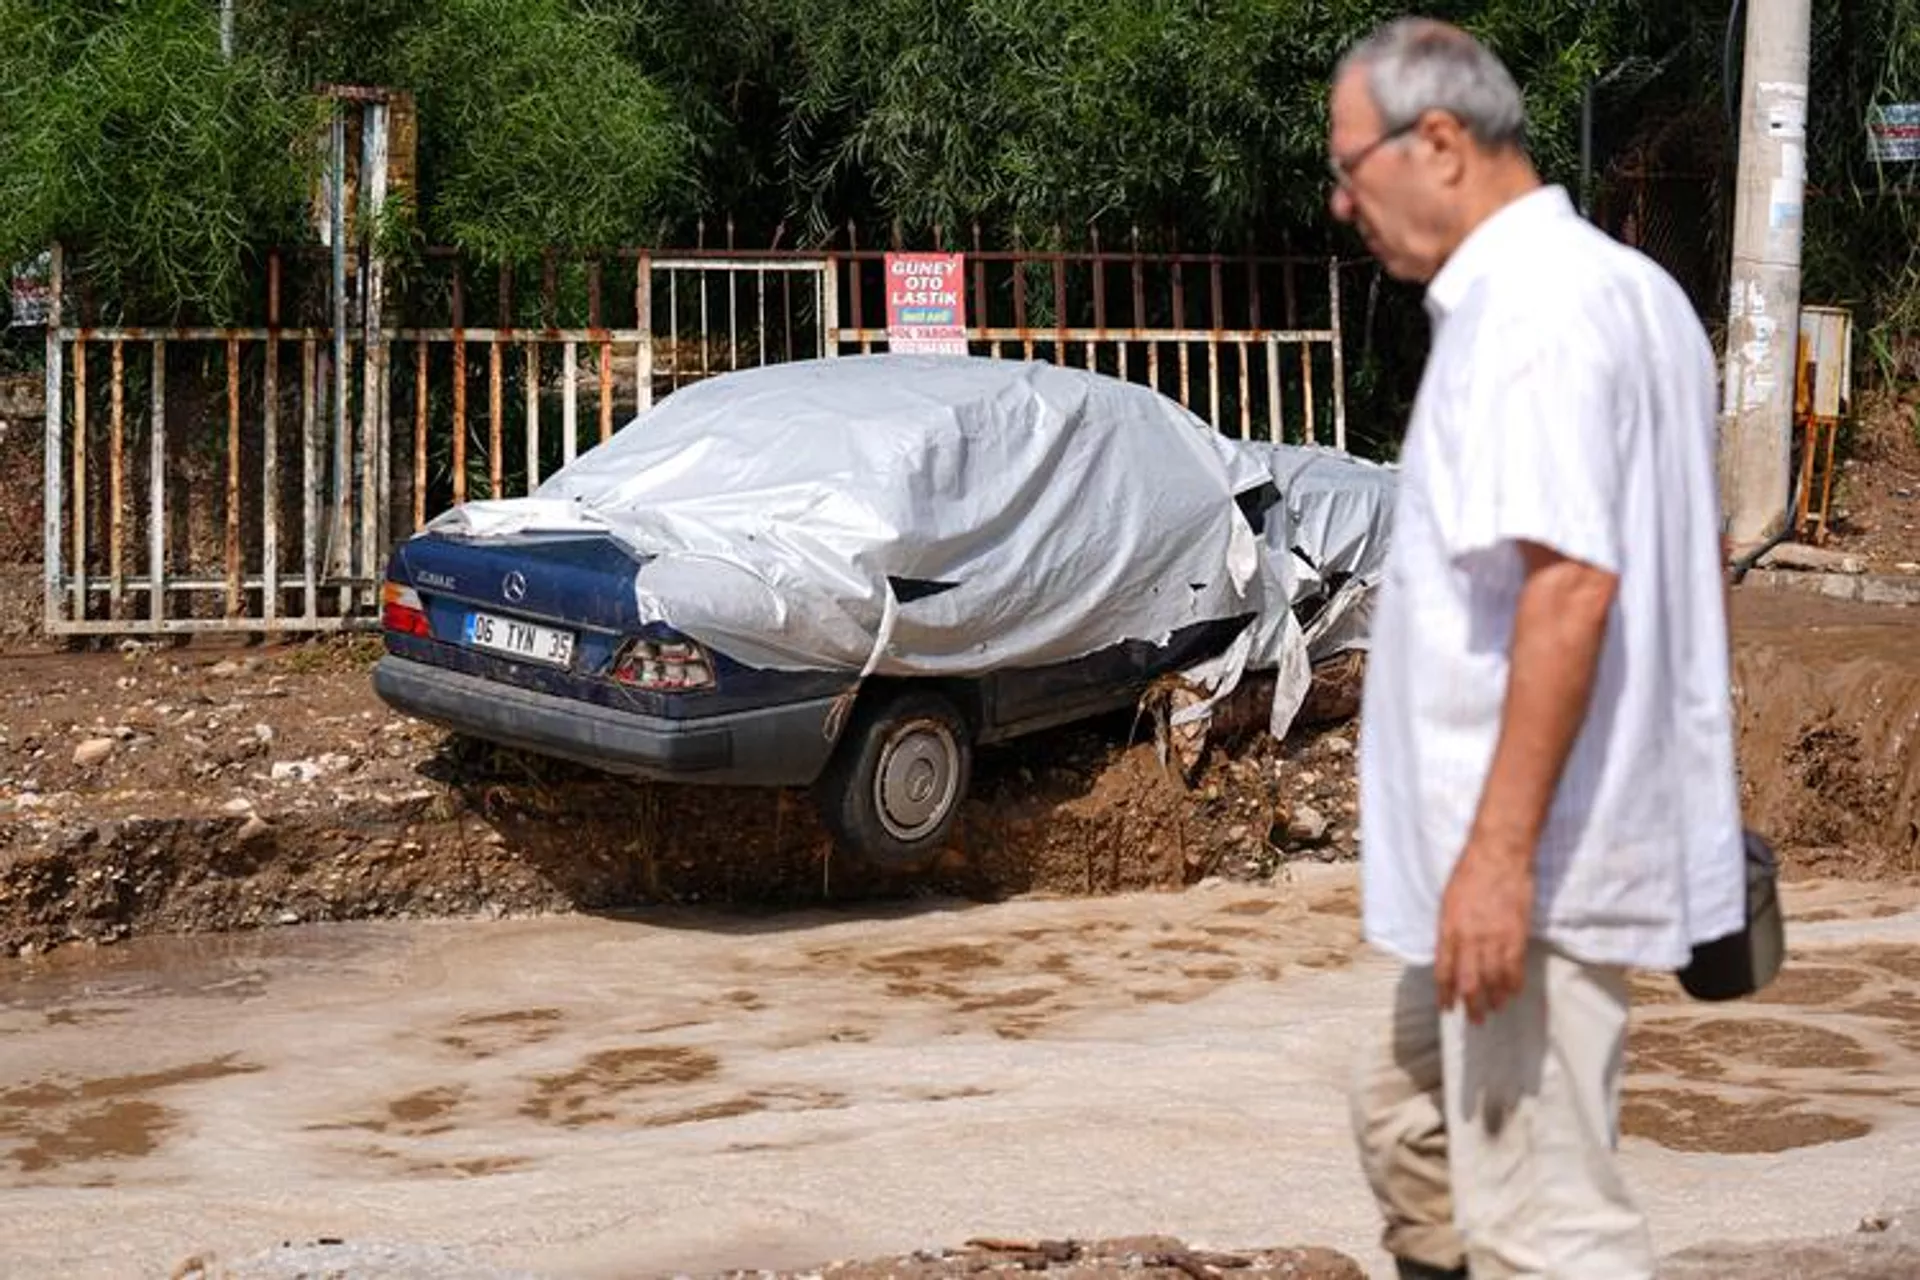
[918, 775]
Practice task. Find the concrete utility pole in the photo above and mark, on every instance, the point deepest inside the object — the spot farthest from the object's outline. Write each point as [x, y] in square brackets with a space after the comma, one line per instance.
[1763, 318]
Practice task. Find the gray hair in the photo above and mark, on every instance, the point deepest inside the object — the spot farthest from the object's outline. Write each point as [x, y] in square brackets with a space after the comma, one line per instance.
[1416, 65]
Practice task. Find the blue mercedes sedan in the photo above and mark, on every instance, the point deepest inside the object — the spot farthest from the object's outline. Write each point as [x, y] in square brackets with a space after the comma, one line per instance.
[846, 574]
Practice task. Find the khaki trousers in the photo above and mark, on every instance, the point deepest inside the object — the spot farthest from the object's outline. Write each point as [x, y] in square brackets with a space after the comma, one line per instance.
[1493, 1146]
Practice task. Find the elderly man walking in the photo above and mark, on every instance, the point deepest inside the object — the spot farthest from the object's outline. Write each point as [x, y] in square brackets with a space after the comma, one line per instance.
[1547, 781]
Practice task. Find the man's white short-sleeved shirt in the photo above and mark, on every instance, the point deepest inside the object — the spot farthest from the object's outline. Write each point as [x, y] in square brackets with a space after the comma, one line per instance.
[1568, 400]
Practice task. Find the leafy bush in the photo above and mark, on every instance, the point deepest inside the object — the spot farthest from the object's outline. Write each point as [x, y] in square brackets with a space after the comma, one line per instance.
[536, 131]
[1208, 115]
[127, 135]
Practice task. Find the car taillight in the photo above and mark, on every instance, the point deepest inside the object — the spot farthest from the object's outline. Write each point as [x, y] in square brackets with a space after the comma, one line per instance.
[664, 665]
[401, 610]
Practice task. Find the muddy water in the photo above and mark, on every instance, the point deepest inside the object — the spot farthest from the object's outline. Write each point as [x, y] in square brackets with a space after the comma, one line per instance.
[614, 1097]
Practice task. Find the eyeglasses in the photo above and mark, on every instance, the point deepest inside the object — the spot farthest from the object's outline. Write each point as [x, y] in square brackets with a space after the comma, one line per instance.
[1342, 168]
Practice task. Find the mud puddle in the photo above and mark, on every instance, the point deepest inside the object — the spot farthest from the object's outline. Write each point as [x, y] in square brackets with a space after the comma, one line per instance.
[687, 1090]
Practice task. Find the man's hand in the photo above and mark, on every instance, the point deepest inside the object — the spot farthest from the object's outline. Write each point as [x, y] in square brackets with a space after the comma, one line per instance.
[1484, 925]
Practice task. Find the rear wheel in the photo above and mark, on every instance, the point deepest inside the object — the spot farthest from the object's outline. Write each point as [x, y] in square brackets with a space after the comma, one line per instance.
[893, 789]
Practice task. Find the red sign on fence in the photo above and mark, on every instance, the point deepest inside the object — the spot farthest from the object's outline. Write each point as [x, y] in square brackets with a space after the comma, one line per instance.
[926, 303]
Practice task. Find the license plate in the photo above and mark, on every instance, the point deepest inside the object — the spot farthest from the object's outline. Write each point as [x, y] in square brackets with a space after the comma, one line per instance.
[520, 639]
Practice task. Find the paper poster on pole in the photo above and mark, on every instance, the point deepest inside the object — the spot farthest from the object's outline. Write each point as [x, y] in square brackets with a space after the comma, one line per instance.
[1893, 133]
[926, 303]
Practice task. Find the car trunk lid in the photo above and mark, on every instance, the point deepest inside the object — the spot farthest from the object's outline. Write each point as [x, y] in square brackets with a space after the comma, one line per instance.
[581, 580]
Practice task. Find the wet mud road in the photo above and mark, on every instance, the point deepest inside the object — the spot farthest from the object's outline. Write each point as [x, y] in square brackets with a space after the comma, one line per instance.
[589, 1096]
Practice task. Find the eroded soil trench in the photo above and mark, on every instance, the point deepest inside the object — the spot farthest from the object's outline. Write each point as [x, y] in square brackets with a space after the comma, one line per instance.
[180, 790]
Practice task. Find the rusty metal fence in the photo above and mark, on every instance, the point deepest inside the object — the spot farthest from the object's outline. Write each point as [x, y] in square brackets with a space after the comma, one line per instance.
[1221, 335]
[254, 479]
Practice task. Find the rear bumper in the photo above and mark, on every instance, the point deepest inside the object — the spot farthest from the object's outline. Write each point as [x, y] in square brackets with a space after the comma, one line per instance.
[782, 746]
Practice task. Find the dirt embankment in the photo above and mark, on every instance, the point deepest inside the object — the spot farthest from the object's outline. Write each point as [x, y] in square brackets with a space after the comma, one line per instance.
[1829, 698]
[1876, 501]
[209, 788]
[206, 788]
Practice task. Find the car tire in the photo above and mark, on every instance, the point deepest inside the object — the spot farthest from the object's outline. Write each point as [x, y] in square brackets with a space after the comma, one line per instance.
[893, 789]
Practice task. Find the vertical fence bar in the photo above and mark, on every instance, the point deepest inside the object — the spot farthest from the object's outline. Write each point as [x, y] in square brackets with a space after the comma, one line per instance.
[1020, 307]
[310, 478]
[157, 488]
[569, 401]
[1099, 286]
[117, 490]
[80, 475]
[270, 452]
[1339, 357]
[532, 350]
[1290, 314]
[980, 295]
[1306, 392]
[496, 409]
[1098, 266]
[1213, 381]
[826, 294]
[786, 309]
[1060, 307]
[1180, 322]
[596, 324]
[1292, 303]
[1099, 300]
[1276, 425]
[420, 408]
[1140, 312]
[643, 323]
[1214, 286]
[53, 464]
[853, 285]
[459, 390]
[496, 401]
[673, 336]
[337, 226]
[733, 321]
[760, 317]
[706, 364]
[233, 478]
[383, 474]
[1246, 352]
[270, 490]
[606, 389]
[1253, 291]
[1246, 390]
[373, 417]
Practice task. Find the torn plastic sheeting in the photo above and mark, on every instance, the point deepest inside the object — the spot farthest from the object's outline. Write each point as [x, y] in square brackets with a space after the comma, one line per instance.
[1330, 523]
[772, 507]
[1331, 528]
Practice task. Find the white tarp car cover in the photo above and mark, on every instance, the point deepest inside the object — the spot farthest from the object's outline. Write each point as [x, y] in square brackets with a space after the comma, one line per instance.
[1030, 514]
[1333, 535]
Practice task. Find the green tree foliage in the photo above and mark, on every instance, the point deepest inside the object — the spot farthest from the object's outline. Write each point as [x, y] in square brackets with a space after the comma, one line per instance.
[1863, 220]
[168, 169]
[536, 131]
[1205, 114]
[125, 134]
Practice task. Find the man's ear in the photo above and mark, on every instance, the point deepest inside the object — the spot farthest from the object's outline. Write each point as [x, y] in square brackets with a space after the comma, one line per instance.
[1448, 140]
